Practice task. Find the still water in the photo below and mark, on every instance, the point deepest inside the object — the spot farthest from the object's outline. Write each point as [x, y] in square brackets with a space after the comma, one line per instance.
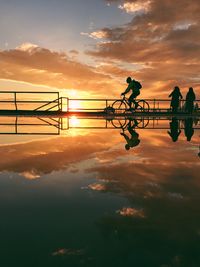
[82, 199]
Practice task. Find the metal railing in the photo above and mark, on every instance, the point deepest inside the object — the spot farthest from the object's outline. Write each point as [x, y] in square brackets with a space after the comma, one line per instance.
[17, 99]
[99, 105]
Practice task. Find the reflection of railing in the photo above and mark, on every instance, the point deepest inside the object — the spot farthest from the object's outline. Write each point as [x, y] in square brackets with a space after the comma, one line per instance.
[30, 126]
[56, 126]
[143, 123]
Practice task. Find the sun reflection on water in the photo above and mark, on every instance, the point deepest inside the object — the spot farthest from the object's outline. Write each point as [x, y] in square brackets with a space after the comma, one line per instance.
[74, 122]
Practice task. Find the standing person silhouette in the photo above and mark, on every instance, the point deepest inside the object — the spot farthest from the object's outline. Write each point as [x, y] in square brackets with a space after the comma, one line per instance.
[135, 86]
[176, 96]
[190, 97]
[174, 129]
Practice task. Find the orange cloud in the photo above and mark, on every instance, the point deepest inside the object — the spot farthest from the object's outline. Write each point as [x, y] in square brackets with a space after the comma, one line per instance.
[163, 41]
[33, 64]
[131, 7]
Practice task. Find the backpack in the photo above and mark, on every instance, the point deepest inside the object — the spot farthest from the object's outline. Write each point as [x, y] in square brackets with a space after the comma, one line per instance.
[137, 85]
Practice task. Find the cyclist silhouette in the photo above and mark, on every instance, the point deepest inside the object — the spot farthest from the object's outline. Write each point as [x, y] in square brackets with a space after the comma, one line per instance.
[135, 86]
[132, 141]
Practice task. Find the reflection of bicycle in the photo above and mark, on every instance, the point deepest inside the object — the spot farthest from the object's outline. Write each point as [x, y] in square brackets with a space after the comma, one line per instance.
[123, 123]
[123, 105]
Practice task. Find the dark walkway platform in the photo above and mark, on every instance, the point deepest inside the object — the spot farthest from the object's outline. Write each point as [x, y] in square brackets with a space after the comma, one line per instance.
[30, 113]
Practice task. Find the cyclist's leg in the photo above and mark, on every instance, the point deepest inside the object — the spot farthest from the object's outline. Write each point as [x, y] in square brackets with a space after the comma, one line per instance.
[131, 100]
[135, 103]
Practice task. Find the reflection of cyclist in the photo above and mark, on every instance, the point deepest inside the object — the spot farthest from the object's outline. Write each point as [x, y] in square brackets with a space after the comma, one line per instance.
[134, 140]
[135, 86]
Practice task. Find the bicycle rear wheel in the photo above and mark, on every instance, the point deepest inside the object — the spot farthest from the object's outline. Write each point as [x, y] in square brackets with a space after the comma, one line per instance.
[119, 106]
[143, 106]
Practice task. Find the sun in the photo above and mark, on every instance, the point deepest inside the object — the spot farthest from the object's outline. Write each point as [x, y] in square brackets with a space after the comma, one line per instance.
[74, 105]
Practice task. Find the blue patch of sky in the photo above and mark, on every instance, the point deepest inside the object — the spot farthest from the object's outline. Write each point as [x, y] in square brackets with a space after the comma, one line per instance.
[55, 24]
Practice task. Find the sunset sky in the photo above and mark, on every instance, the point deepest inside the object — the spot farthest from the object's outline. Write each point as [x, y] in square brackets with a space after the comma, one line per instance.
[90, 46]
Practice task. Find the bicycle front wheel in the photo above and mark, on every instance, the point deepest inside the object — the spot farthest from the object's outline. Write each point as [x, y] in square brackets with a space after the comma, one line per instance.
[119, 106]
[119, 123]
[143, 106]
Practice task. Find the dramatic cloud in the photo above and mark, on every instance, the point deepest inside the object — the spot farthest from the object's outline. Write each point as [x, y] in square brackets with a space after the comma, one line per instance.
[131, 7]
[163, 38]
[37, 65]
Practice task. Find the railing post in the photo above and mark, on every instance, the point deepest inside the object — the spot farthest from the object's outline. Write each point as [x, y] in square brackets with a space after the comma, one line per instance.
[61, 104]
[154, 104]
[67, 122]
[67, 104]
[58, 97]
[59, 119]
[16, 124]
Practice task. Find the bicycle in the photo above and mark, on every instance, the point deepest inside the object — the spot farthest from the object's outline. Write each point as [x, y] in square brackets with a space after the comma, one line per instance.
[122, 105]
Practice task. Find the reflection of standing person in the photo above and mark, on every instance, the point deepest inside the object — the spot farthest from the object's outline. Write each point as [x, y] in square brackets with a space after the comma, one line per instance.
[174, 129]
[190, 97]
[189, 131]
[134, 140]
[176, 96]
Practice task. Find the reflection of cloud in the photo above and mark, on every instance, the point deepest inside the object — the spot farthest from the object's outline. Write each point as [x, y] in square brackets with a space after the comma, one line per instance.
[68, 252]
[175, 195]
[165, 183]
[131, 212]
[147, 171]
[36, 158]
[97, 187]
[113, 165]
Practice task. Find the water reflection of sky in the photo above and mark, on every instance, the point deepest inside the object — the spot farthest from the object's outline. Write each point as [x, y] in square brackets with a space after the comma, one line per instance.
[83, 200]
